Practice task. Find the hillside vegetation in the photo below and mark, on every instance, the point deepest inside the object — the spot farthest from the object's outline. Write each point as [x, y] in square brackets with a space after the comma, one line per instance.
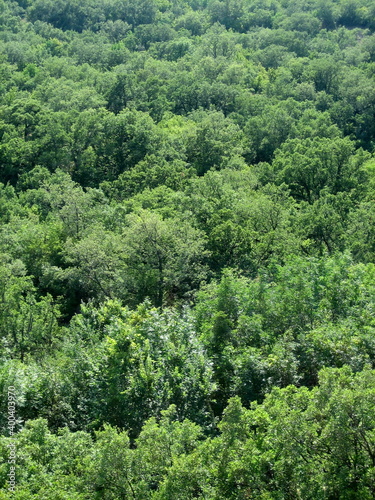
[187, 249]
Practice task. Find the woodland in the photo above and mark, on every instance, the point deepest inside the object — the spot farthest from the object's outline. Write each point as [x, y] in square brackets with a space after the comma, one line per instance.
[187, 249]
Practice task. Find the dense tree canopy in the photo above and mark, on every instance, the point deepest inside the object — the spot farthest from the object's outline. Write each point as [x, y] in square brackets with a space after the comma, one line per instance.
[187, 249]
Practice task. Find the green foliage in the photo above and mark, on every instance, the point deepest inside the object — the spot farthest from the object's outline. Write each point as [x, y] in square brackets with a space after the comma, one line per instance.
[311, 165]
[187, 249]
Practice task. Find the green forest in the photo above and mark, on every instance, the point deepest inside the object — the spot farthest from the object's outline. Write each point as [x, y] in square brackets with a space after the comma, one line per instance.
[187, 249]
